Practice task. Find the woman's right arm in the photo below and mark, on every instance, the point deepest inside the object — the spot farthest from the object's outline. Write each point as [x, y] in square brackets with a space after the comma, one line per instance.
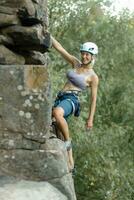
[70, 58]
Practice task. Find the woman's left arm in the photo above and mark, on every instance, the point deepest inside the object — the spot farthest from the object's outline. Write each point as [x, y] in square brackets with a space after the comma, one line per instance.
[94, 87]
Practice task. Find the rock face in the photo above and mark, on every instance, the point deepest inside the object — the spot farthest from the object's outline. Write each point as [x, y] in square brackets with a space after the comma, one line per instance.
[23, 32]
[33, 161]
[28, 148]
[28, 190]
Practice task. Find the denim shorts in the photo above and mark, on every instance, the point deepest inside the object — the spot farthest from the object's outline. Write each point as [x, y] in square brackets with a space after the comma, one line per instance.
[69, 102]
[66, 105]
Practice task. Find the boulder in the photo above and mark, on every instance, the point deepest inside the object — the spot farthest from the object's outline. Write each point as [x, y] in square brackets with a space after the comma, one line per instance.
[29, 11]
[28, 190]
[32, 38]
[8, 10]
[35, 164]
[7, 20]
[16, 4]
[23, 25]
[5, 40]
[36, 58]
[27, 109]
[9, 57]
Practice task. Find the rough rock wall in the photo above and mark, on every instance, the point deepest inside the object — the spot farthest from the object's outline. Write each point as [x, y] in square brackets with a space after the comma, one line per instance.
[23, 32]
[28, 148]
[28, 190]
[29, 151]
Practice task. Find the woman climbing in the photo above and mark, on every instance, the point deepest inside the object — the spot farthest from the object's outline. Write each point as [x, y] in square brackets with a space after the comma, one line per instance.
[79, 78]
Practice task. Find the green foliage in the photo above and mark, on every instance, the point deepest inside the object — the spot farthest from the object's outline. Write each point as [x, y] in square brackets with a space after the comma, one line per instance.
[103, 172]
[104, 158]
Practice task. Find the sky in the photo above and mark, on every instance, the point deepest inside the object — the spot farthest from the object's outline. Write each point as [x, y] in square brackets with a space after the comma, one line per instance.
[120, 4]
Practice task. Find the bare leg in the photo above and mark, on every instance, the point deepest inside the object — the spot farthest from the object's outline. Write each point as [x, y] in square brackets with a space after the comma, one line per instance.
[71, 160]
[58, 113]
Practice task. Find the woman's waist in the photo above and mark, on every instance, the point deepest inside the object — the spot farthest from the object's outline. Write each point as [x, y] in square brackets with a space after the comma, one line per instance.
[74, 92]
[70, 88]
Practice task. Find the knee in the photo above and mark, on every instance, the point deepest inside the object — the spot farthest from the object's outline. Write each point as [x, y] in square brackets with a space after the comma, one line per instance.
[57, 113]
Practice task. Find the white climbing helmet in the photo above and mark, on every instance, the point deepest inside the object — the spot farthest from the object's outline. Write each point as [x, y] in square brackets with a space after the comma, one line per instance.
[89, 47]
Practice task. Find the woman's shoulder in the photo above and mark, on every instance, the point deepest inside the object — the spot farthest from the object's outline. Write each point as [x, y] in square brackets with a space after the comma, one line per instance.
[94, 72]
[95, 79]
[94, 76]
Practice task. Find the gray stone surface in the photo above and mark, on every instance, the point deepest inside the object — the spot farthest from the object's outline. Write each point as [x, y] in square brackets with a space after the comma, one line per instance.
[26, 150]
[25, 104]
[9, 57]
[35, 13]
[36, 58]
[7, 10]
[32, 8]
[17, 4]
[66, 185]
[47, 162]
[5, 40]
[6, 20]
[31, 37]
[23, 28]
[28, 190]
